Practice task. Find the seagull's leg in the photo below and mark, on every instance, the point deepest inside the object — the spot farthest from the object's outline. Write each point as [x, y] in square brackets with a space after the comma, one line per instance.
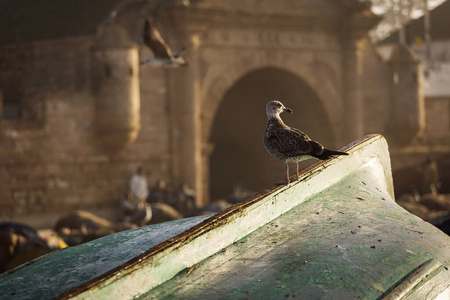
[297, 171]
[287, 172]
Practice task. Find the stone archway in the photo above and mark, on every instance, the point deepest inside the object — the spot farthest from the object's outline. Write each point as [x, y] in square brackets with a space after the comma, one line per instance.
[239, 156]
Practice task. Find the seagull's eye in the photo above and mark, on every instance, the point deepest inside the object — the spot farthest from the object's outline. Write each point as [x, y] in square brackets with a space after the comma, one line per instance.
[279, 104]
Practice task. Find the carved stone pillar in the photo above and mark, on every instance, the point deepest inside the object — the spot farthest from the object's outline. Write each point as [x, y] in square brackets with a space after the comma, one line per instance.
[185, 124]
[117, 89]
[353, 122]
[407, 119]
[354, 27]
[207, 150]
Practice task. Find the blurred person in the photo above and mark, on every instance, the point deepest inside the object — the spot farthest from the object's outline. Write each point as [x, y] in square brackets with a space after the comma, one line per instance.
[134, 208]
[185, 199]
[138, 187]
[159, 193]
[430, 179]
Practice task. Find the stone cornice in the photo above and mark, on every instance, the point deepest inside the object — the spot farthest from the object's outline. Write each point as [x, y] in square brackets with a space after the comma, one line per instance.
[267, 39]
[248, 19]
[354, 20]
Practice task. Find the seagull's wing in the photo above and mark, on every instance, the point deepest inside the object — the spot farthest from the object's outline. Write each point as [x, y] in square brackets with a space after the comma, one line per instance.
[317, 148]
[291, 142]
[155, 42]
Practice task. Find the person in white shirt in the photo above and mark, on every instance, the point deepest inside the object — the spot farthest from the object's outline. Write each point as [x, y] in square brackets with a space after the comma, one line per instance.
[138, 186]
[135, 206]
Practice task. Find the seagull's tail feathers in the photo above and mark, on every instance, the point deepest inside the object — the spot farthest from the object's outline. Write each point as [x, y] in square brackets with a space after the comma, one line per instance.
[327, 154]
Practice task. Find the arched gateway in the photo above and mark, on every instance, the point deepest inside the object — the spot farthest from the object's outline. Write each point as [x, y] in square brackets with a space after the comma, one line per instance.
[239, 157]
[304, 53]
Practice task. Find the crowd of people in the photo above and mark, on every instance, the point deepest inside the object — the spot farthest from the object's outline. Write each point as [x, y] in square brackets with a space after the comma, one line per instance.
[143, 204]
[141, 201]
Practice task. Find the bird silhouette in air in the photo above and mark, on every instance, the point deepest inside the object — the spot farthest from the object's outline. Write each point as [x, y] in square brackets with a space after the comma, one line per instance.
[163, 56]
[289, 144]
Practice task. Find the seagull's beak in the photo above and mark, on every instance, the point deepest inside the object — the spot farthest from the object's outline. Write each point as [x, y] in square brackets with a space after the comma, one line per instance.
[287, 110]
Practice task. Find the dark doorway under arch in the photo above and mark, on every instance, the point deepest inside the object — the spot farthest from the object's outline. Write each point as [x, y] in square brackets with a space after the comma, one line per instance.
[239, 157]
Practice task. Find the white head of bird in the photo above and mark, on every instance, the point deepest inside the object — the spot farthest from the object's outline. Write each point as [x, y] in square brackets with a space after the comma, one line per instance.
[275, 108]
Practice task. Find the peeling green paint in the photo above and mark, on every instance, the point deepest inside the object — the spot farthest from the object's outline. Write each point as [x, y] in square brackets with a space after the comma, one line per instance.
[49, 276]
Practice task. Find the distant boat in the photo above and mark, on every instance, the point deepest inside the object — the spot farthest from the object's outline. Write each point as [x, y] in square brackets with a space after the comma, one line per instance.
[337, 233]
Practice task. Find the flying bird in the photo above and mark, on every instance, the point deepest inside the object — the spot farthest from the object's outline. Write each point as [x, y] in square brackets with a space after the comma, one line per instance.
[289, 144]
[163, 56]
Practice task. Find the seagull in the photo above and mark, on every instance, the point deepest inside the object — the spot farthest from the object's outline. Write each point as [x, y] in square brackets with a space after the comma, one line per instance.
[289, 144]
[162, 52]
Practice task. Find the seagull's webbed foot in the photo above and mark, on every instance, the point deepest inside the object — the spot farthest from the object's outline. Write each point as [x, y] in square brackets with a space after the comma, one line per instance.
[282, 182]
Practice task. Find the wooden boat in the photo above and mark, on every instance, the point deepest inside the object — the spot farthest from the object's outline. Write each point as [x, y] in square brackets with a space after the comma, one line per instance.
[337, 233]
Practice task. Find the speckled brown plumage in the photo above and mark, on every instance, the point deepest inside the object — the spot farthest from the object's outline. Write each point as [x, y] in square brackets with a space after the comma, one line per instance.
[289, 144]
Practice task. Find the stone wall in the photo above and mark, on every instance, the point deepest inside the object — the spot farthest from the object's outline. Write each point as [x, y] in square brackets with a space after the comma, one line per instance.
[35, 68]
[54, 162]
[438, 120]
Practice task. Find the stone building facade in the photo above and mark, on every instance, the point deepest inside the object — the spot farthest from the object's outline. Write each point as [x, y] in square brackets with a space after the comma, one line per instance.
[79, 114]
[432, 68]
